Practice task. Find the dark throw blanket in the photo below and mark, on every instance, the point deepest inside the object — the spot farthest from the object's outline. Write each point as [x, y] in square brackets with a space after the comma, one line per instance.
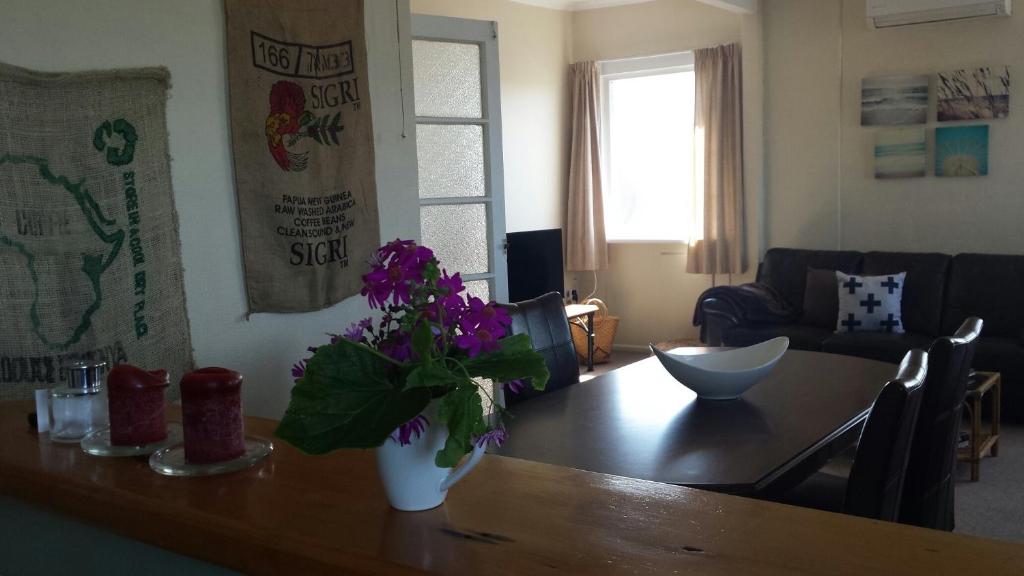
[753, 303]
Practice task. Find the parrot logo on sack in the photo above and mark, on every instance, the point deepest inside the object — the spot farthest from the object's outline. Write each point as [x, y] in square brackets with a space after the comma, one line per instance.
[289, 123]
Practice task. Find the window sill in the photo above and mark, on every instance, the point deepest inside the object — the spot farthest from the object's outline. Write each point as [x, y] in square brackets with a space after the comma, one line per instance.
[645, 241]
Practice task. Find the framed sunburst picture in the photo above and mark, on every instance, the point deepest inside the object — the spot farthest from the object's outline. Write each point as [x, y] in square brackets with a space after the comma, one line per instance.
[961, 151]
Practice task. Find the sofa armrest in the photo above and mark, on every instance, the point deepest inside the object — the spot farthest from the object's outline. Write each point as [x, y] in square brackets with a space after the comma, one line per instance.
[718, 317]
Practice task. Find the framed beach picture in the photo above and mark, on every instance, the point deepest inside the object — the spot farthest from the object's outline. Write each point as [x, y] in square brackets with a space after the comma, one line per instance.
[894, 100]
[961, 151]
[973, 94]
[901, 153]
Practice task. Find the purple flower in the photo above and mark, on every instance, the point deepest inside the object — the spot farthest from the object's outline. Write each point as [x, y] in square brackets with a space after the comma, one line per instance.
[299, 369]
[382, 283]
[482, 325]
[405, 432]
[409, 255]
[496, 435]
[450, 285]
[397, 346]
[396, 268]
[486, 316]
[475, 342]
[515, 386]
[356, 330]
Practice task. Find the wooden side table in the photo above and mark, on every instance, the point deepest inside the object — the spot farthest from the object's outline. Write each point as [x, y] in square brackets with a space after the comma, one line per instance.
[578, 312]
[987, 384]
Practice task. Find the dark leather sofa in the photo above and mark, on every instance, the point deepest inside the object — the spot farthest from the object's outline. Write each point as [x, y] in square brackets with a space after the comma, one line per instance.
[940, 292]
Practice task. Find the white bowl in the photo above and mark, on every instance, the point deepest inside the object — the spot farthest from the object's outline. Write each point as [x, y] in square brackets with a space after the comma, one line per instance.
[724, 375]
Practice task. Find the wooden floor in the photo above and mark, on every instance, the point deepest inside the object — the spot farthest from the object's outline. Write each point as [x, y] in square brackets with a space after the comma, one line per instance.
[618, 359]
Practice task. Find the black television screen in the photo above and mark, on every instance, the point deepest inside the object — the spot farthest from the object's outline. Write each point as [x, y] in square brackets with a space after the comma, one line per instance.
[534, 264]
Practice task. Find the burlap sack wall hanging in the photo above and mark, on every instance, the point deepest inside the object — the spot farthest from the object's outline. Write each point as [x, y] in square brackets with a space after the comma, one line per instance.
[90, 261]
[302, 138]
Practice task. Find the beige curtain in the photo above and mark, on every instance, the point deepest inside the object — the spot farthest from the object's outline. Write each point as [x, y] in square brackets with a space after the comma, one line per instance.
[586, 246]
[719, 242]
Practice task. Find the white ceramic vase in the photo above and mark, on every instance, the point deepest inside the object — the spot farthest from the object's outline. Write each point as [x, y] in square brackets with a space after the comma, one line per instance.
[411, 479]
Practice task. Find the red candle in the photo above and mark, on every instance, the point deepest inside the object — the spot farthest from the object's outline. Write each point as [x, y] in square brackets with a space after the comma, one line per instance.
[135, 400]
[211, 410]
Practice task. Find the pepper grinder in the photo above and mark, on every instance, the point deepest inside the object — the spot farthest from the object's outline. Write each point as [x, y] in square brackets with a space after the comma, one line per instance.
[79, 408]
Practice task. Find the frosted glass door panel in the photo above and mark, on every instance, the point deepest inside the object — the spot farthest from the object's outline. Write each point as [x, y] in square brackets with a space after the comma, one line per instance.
[458, 235]
[451, 160]
[479, 288]
[458, 149]
[447, 79]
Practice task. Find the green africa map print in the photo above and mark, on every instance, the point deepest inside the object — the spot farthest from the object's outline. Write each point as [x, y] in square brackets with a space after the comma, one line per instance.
[90, 265]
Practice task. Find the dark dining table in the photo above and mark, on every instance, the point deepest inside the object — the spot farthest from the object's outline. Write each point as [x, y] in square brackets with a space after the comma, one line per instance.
[639, 422]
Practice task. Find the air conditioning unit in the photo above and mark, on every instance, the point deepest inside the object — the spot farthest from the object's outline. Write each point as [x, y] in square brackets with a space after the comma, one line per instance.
[888, 13]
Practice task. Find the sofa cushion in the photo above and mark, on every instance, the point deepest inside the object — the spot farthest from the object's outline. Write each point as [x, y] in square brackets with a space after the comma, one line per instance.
[870, 303]
[800, 337]
[1003, 355]
[821, 299]
[924, 290]
[785, 269]
[990, 287]
[1006, 356]
[875, 345]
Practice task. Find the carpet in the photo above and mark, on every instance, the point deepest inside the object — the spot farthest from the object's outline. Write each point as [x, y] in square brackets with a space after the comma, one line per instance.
[993, 507]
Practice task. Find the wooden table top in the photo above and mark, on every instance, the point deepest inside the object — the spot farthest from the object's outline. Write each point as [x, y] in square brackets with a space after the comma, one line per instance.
[638, 421]
[298, 514]
[577, 310]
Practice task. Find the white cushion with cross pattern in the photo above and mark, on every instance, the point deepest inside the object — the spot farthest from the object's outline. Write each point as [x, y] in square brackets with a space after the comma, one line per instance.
[870, 303]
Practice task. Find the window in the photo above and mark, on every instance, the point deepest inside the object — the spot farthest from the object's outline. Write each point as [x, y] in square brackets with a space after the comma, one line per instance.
[647, 132]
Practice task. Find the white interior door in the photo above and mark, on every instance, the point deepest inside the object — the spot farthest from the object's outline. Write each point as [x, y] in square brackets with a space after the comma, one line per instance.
[458, 149]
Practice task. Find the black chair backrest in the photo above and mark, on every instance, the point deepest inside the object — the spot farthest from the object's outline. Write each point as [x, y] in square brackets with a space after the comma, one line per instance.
[928, 488]
[876, 478]
[543, 319]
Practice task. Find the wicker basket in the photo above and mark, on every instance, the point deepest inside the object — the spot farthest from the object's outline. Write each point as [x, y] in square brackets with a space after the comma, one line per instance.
[604, 333]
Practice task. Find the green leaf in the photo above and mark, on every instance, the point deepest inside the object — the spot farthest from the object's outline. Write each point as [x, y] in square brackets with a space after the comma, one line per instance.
[463, 413]
[348, 399]
[306, 118]
[431, 272]
[515, 359]
[422, 339]
[434, 375]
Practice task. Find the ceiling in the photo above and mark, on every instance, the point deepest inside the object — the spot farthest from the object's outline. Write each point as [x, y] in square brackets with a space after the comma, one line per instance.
[573, 5]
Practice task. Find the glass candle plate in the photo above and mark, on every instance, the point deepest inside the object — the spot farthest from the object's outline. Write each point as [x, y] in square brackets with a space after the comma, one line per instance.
[98, 443]
[170, 461]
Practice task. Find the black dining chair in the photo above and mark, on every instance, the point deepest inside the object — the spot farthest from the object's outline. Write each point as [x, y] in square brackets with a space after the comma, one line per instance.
[543, 319]
[928, 491]
[875, 484]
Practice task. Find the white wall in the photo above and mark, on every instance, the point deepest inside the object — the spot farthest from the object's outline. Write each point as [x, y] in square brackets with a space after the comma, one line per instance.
[802, 72]
[646, 284]
[949, 215]
[533, 51]
[188, 37]
[821, 188]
